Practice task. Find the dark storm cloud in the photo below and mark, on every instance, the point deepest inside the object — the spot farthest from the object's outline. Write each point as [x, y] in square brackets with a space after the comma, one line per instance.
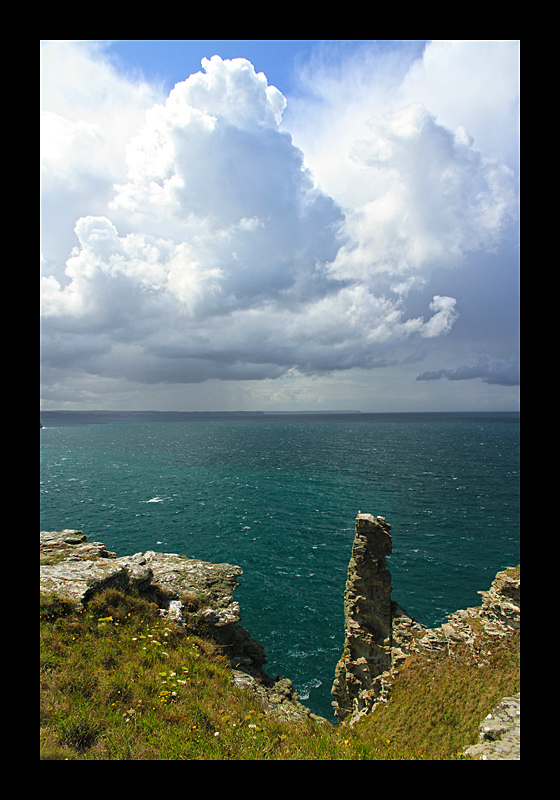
[503, 373]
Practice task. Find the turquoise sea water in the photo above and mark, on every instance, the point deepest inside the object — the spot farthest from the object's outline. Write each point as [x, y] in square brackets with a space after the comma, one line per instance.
[278, 496]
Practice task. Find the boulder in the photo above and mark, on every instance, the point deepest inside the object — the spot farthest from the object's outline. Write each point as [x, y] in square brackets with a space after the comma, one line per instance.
[77, 581]
[75, 569]
[499, 733]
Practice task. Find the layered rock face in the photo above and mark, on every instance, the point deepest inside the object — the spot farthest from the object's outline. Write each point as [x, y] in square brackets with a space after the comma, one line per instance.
[367, 618]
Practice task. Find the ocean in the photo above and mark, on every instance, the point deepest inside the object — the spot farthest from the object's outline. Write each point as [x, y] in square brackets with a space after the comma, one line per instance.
[278, 494]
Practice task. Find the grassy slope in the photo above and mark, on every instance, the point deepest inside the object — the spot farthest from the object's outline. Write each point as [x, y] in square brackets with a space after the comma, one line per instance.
[117, 683]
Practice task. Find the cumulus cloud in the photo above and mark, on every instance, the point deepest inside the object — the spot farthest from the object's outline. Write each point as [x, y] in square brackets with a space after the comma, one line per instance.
[89, 114]
[450, 79]
[504, 373]
[217, 253]
[418, 194]
[429, 198]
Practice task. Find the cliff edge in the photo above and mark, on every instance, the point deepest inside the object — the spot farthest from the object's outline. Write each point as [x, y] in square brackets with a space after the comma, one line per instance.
[380, 635]
[189, 592]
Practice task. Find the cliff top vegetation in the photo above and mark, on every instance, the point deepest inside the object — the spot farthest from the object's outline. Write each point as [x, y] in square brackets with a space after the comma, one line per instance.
[119, 682]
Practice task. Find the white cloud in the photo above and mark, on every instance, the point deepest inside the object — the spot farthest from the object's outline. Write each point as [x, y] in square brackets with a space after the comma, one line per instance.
[473, 84]
[443, 319]
[417, 192]
[89, 113]
[204, 247]
[64, 144]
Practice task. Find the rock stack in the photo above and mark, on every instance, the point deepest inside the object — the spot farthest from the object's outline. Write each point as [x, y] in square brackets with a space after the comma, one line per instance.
[367, 619]
[380, 635]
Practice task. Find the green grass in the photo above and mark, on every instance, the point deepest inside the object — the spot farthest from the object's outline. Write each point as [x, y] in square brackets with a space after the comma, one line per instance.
[438, 701]
[120, 683]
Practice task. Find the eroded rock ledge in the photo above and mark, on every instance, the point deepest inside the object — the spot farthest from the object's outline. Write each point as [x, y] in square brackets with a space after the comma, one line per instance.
[380, 634]
[187, 590]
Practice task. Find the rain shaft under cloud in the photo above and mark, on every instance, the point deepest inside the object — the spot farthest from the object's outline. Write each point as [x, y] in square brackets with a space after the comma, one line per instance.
[219, 255]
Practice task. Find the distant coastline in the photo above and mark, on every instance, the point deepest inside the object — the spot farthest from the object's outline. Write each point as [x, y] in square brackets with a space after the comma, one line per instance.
[73, 417]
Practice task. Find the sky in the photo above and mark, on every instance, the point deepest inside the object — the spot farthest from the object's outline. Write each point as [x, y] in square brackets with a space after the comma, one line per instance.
[280, 225]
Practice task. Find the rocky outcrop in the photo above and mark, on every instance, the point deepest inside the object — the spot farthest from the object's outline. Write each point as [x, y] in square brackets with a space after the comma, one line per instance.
[500, 733]
[188, 591]
[277, 698]
[75, 569]
[380, 634]
[497, 616]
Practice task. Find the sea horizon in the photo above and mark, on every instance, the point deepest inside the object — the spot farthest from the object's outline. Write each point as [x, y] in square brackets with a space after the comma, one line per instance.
[153, 415]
